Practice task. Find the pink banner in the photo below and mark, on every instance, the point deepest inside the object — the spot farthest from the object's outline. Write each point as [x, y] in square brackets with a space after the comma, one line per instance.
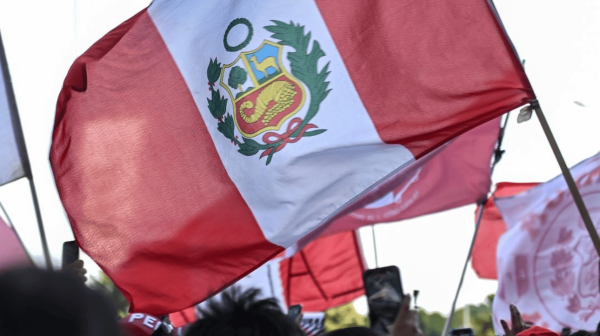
[12, 252]
[453, 176]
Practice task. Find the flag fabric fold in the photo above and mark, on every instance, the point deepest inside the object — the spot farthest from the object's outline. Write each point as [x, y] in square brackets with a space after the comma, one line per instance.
[326, 273]
[546, 262]
[452, 176]
[198, 140]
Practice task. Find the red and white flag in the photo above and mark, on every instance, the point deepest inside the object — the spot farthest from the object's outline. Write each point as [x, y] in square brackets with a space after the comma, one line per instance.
[452, 176]
[547, 264]
[199, 139]
[12, 252]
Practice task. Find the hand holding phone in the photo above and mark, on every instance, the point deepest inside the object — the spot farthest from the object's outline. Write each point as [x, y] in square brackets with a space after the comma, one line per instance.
[407, 321]
[71, 261]
[384, 292]
[70, 253]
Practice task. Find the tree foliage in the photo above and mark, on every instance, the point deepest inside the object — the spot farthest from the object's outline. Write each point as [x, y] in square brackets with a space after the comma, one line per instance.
[431, 324]
[344, 317]
[110, 291]
[480, 317]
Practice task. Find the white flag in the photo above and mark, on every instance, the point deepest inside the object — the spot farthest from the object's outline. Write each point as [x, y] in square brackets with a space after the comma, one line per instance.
[11, 167]
[547, 264]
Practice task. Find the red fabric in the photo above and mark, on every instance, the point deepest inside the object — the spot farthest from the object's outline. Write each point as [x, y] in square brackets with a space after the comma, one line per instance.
[442, 67]
[184, 317]
[12, 253]
[454, 176]
[537, 331]
[492, 226]
[325, 273]
[115, 164]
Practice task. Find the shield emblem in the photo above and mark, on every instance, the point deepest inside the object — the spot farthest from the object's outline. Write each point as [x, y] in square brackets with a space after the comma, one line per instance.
[263, 93]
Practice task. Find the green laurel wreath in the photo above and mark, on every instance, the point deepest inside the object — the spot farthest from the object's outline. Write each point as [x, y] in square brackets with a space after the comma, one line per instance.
[303, 66]
[242, 45]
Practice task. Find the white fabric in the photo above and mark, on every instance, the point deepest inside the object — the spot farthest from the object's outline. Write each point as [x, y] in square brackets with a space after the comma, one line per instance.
[10, 162]
[547, 265]
[308, 180]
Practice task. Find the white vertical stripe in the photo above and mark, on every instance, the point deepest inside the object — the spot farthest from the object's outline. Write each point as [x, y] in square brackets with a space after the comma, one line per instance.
[306, 181]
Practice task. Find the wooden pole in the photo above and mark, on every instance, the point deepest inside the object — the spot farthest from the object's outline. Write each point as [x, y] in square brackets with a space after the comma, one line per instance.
[464, 271]
[585, 215]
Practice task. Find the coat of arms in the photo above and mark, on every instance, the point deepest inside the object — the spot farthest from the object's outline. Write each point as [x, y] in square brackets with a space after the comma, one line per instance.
[264, 94]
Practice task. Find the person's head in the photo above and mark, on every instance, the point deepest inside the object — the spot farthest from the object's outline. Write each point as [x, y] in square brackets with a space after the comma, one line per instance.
[353, 331]
[240, 313]
[581, 333]
[38, 302]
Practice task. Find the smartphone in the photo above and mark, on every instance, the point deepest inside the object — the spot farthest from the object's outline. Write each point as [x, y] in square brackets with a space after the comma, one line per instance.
[462, 332]
[383, 288]
[294, 311]
[70, 253]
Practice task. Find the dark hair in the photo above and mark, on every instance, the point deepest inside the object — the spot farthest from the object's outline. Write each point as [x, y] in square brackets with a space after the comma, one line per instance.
[38, 302]
[239, 313]
[353, 331]
[581, 333]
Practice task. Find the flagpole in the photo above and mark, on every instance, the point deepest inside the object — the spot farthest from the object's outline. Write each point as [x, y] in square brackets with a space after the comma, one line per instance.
[375, 246]
[38, 215]
[464, 271]
[497, 156]
[585, 215]
[20, 140]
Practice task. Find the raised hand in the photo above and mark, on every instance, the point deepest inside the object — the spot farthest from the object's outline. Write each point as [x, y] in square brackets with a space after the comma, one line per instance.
[517, 323]
[407, 321]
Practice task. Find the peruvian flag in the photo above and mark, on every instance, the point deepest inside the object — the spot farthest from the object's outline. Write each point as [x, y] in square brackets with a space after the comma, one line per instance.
[197, 140]
[547, 265]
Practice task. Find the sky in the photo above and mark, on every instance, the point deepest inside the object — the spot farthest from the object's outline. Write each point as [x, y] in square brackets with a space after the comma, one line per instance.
[559, 40]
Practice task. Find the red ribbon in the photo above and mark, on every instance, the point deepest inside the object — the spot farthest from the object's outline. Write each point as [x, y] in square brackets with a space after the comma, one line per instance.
[272, 137]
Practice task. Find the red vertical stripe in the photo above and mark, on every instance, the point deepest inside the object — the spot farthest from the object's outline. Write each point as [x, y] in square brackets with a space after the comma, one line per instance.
[127, 125]
[426, 70]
